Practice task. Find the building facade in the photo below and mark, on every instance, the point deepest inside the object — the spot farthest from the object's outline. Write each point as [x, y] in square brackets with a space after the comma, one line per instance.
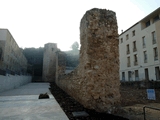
[12, 60]
[139, 49]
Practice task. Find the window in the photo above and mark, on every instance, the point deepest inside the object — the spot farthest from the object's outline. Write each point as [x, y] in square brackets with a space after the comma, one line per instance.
[128, 62]
[129, 76]
[157, 73]
[1, 52]
[145, 56]
[133, 33]
[135, 60]
[147, 23]
[7, 57]
[127, 37]
[156, 18]
[144, 42]
[155, 53]
[136, 75]
[52, 49]
[121, 40]
[128, 51]
[154, 37]
[134, 46]
[123, 76]
[146, 74]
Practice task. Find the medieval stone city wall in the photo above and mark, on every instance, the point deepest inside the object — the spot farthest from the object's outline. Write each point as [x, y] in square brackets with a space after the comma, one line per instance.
[60, 64]
[95, 82]
[49, 60]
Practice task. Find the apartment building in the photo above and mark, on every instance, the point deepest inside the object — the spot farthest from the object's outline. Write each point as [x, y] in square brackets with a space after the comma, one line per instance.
[139, 49]
[12, 60]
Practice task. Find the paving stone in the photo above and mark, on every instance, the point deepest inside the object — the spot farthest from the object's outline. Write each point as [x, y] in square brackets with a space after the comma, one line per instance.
[80, 114]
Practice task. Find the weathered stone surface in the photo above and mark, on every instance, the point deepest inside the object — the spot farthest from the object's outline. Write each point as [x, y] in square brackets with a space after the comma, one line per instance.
[49, 62]
[60, 64]
[95, 83]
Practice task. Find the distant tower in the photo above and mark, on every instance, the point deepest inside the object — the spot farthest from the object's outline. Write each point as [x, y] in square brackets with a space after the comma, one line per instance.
[49, 62]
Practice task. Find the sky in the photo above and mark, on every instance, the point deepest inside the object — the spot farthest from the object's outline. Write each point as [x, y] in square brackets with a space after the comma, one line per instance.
[34, 23]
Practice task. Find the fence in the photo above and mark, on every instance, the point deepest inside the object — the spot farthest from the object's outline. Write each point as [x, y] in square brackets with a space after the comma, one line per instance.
[144, 112]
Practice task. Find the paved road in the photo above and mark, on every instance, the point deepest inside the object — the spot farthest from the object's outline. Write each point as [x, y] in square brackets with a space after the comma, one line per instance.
[23, 104]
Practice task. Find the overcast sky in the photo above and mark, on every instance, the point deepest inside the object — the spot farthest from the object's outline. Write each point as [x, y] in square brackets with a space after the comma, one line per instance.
[33, 23]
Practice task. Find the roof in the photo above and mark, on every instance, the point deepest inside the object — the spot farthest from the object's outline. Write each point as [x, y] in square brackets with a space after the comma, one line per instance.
[144, 19]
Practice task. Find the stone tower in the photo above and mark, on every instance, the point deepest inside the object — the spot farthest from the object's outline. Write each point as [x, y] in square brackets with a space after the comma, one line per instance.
[95, 82]
[49, 62]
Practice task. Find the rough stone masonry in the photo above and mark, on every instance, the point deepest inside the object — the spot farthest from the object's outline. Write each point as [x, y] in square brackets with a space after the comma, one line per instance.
[95, 83]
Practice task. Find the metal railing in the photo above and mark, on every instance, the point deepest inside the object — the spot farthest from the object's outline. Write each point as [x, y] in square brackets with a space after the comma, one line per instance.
[135, 62]
[156, 57]
[128, 65]
[154, 41]
[144, 45]
[128, 52]
[134, 49]
[144, 112]
[145, 60]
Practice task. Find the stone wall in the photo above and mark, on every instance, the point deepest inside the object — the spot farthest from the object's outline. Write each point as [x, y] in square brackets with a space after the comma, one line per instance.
[49, 62]
[13, 81]
[60, 64]
[95, 82]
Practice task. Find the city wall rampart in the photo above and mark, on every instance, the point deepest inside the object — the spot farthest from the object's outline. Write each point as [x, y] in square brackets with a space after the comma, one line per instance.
[95, 82]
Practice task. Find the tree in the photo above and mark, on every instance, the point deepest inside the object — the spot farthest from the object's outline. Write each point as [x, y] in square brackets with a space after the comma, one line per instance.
[75, 46]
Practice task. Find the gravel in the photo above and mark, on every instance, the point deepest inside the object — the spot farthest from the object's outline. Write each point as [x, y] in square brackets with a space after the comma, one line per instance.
[70, 105]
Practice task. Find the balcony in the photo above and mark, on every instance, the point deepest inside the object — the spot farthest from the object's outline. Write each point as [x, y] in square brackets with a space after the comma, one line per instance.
[134, 49]
[128, 52]
[155, 58]
[128, 65]
[144, 45]
[135, 63]
[154, 41]
[145, 60]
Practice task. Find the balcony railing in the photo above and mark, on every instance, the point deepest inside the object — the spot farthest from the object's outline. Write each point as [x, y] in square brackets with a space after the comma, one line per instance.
[134, 49]
[144, 45]
[135, 62]
[154, 41]
[128, 52]
[155, 57]
[145, 60]
[128, 65]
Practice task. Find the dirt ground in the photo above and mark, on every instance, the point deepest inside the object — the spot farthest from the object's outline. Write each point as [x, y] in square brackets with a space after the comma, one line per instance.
[132, 101]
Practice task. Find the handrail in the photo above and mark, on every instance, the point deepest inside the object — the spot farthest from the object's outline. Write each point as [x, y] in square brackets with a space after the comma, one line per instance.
[149, 108]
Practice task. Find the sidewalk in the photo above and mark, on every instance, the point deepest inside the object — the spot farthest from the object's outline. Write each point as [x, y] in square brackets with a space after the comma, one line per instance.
[23, 104]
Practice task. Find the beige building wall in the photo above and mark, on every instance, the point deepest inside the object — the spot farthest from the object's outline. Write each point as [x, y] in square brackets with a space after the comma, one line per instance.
[49, 62]
[147, 65]
[13, 60]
